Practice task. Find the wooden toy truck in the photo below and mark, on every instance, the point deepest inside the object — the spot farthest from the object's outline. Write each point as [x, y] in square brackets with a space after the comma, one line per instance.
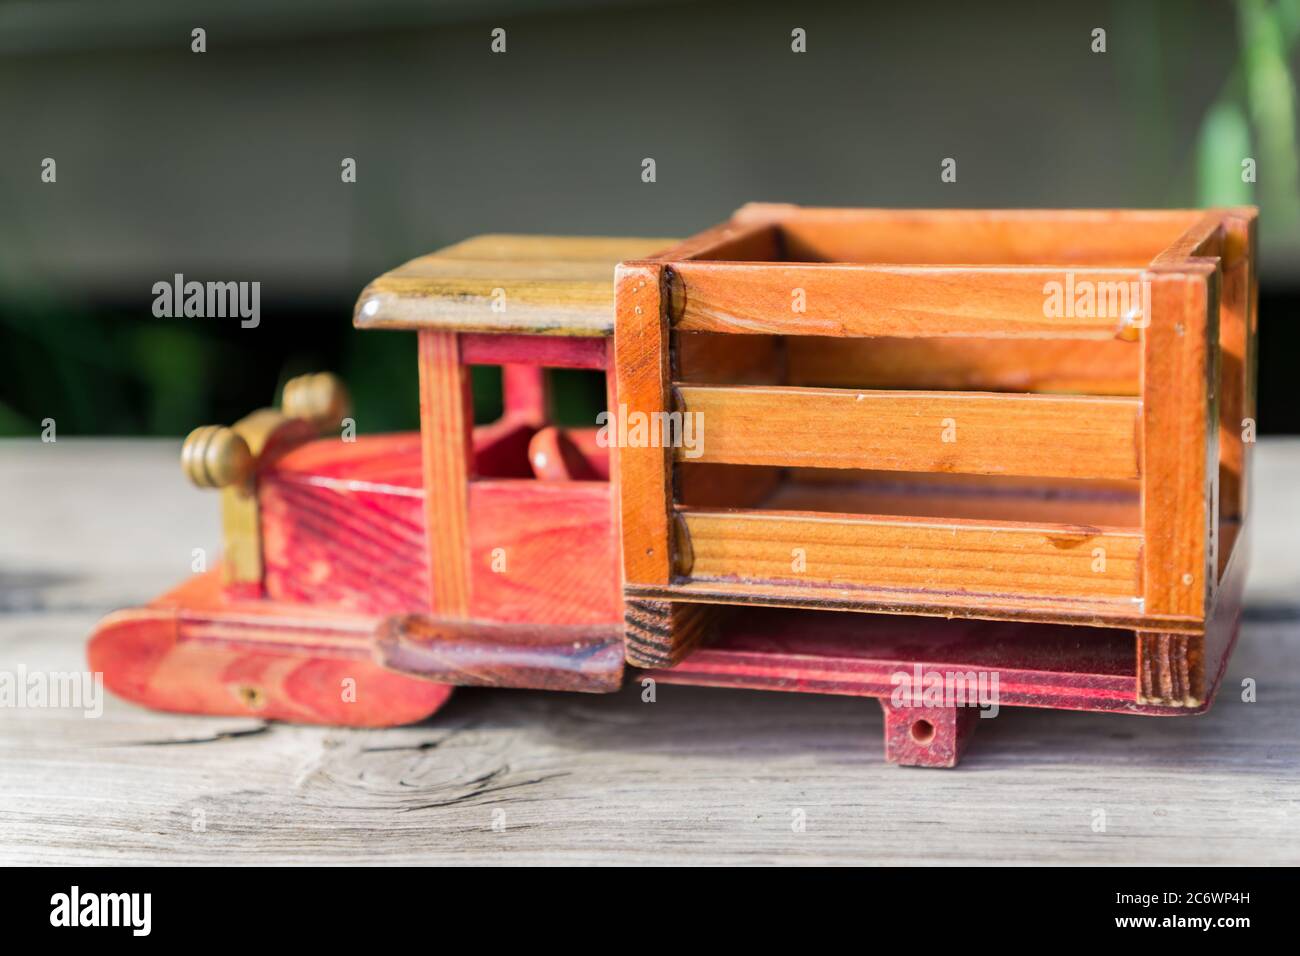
[928, 448]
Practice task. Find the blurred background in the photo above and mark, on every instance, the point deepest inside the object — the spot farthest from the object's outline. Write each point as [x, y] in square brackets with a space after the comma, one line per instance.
[225, 165]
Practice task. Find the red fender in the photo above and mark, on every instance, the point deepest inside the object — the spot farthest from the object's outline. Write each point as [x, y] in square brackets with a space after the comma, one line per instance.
[195, 652]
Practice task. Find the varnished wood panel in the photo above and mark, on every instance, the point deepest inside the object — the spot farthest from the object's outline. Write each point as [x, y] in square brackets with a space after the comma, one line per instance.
[994, 365]
[824, 652]
[446, 429]
[980, 498]
[1179, 441]
[543, 552]
[1170, 668]
[645, 477]
[1237, 335]
[847, 300]
[196, 651]
[1086, 237]
[663, 633]
[954, 555]
[549, 285]
[586, 659]
[358, 547]
[344, 525]
[1181, 395]
[938, 292]
[728, 240]
[490, 348]
[1201, 237]
[1065, 436]
[1097, 611]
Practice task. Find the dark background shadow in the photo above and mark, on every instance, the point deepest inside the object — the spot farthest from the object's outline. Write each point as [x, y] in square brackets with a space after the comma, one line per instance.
[225, 165]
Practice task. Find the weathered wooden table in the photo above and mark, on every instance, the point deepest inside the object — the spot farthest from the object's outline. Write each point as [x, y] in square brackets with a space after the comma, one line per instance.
[699, 775]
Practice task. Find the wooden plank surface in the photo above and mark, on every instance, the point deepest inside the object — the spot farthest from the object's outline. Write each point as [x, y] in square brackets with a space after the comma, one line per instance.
[701, 775]
[987, 365]
[982, 433]
[550, 285]
[641, 379]
[446, 439]
[1068, 237]
[1180, 449]
[852, 300]
[950, 554]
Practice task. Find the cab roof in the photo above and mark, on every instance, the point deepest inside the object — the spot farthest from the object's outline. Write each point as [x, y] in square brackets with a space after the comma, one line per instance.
[548, 285]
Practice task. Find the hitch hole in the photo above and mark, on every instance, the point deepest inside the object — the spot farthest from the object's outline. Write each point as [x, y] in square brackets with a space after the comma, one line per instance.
[922, 732]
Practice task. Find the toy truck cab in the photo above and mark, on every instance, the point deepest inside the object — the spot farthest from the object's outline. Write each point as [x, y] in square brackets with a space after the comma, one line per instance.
[475, 555]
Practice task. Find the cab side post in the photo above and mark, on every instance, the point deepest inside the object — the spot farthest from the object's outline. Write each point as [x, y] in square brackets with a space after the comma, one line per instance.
[446, 435]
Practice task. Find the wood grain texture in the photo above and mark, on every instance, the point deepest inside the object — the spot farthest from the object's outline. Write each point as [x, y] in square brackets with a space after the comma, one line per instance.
[811, 595]
[968, 432]
[1179, 442]
[1068, 237]
[1056, 666]
[613, 469]
[1202, 237]
[345, 529]
[545, 567]
[642, 377]
[913, 280]
[916, 554]
[993, 365]
[552, 285]
[727, 240]
[1170, 668]
[195, 651]
[586, 659]
[1184, 669]
[663, 633]
[479, 348]
[543, 552]
[760, 559]
[701, 776]
[353, 545]
[446, 430]
[1222, 627]
[977, 497]
[343, 522]
[1237, 358]
[851, 300]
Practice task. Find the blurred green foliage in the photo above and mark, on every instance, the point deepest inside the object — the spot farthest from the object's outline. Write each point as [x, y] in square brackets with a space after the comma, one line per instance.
[100, 370]
[1254, 116]
[116, 373]
[101, 373]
